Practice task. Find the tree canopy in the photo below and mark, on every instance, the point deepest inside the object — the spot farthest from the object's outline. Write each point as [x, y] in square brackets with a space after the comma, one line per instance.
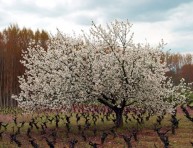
[104, 66]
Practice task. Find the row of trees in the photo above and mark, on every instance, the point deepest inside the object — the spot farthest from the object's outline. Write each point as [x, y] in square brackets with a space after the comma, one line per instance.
[181, 66]
[12, 41]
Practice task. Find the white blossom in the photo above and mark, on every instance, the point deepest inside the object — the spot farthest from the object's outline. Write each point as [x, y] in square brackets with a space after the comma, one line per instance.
[105, 63]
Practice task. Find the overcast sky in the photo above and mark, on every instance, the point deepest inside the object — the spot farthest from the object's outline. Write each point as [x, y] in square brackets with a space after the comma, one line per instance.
[153, 20]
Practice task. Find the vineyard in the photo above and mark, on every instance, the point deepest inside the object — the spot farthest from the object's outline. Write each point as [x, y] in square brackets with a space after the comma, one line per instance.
[85, 127]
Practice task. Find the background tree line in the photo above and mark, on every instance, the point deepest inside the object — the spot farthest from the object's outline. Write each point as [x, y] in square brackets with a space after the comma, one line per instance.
[181, 66]
[14, 39]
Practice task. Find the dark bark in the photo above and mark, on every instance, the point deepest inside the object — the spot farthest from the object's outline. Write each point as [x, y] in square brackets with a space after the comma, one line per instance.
[118, 110]
[118, 113]
[119, 117]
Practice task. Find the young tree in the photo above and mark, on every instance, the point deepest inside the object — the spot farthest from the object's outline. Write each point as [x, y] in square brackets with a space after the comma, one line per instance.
[106, 66]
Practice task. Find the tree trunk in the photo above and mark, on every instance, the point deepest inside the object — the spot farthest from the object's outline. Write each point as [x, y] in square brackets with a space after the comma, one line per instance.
[119, 117]
[118, 110]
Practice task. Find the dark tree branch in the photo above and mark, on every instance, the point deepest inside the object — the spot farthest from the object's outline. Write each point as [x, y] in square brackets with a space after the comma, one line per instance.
[106, 103]
[123, 103]
[124, 72]
[130, 103]
[105, 97]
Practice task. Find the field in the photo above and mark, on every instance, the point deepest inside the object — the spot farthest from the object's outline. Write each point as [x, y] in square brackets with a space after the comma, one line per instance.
[93, 127]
